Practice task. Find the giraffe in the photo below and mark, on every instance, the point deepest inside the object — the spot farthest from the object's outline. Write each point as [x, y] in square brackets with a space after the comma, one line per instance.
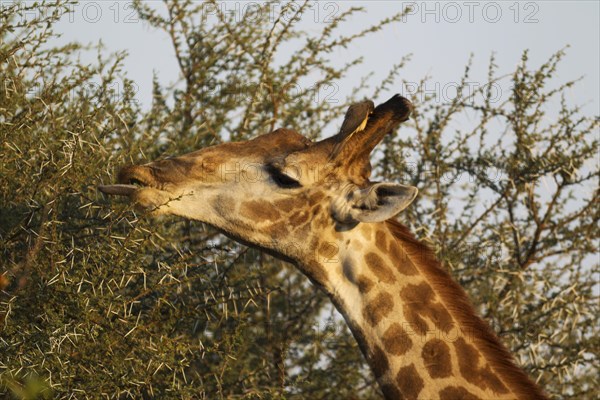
[312, 204]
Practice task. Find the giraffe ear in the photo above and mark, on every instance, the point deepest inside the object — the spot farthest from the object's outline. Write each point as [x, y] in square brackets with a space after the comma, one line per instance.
[378, 202]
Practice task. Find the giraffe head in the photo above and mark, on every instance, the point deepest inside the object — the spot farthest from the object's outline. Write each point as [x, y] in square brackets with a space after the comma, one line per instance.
[279, 191]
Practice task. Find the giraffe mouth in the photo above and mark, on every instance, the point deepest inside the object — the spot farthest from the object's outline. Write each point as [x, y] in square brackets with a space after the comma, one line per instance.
[118, 189]
[131, 179]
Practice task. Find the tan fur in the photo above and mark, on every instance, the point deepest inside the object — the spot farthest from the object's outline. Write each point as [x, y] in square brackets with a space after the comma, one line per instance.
[454, 297]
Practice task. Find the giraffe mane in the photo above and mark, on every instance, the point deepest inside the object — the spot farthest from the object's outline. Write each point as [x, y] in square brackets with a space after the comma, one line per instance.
[456, 300]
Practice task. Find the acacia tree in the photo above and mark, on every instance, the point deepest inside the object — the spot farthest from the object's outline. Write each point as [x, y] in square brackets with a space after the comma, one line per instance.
[97, 300]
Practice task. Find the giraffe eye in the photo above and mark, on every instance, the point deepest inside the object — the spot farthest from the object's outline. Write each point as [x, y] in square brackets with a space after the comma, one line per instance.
[282, 180]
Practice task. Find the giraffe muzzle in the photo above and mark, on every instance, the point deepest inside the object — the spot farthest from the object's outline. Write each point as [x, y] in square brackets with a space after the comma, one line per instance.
[131, 179]
[118, 189]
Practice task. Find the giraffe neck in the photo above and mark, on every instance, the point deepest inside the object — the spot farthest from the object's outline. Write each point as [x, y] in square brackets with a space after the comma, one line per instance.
[414, 324]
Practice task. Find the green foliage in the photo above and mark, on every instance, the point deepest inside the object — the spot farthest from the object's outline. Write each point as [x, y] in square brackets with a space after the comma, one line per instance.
[98, 301]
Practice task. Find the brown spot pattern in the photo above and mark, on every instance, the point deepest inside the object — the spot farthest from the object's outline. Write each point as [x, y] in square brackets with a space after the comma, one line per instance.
[315, 198]
[409, 382]
[320, 221]
[468, 359]
[259, 211]
[396, 341]
[419, 304]
[378, 308]
[378, 267]
[468, 363]
[436, 356]
[225, 202]
[457, 393]
[278, 229]
[364, 284]
[288, 204]
[449, 291]
[329, 251]
[403, 263]
[381, 241]
[315, 210]
[379, 362]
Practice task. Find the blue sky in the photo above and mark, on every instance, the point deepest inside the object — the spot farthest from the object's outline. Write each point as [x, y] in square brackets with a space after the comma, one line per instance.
[440, 35]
